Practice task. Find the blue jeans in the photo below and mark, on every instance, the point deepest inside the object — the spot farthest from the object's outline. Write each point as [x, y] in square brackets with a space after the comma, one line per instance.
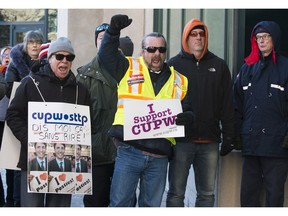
[204, 158]
[2, 198]
[131, 165]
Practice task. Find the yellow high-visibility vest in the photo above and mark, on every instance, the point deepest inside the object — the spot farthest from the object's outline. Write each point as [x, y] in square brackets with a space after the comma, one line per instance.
[136, 84]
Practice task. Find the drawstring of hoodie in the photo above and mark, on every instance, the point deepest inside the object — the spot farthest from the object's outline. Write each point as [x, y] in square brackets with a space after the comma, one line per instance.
[37, 83]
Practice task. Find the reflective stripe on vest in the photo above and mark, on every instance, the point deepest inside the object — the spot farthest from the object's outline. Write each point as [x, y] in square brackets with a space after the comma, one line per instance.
[138, 78]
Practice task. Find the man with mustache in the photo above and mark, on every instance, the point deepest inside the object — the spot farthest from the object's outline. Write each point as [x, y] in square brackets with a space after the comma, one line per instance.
[142, 159]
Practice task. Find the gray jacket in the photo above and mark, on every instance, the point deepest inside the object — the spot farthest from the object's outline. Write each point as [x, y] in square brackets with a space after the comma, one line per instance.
[2, 86]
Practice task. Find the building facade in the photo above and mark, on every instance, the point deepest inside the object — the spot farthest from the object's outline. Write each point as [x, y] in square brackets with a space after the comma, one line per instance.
[229, 38]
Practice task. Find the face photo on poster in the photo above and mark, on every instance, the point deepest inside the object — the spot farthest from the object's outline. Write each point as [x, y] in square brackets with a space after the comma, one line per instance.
[82, 169]
[37, 167]
[61, 177]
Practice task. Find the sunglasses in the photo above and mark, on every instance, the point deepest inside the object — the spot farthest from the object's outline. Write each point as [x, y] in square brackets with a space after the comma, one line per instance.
[102, 27]
[60, 57]
[195, 34]
[153, 49]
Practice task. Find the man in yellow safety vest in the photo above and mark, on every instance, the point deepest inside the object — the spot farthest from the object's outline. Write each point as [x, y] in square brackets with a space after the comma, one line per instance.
[147, 77]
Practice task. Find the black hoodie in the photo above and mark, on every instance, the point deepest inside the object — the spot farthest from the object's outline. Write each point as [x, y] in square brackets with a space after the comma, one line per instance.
[210, 90]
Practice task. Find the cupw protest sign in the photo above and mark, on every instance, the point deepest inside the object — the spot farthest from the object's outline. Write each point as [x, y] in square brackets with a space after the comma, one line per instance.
[59, 148]
[145, 119]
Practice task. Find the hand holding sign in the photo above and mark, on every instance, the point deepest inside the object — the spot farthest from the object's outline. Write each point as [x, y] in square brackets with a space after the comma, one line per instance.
[153, 119]
[185, 118]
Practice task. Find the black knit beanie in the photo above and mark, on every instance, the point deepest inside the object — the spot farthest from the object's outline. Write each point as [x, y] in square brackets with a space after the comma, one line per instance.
[126, 45]
[100, 28]
[199, 27]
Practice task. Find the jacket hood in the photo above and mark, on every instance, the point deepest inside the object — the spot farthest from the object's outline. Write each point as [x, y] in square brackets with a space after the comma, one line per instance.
[274, 30]
[19, 58]
[187, 29]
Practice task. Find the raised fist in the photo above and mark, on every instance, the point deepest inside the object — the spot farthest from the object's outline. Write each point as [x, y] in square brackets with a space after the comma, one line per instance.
[117, 23]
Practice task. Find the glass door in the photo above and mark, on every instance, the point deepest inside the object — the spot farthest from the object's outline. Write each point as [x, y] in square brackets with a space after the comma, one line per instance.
[18, 31]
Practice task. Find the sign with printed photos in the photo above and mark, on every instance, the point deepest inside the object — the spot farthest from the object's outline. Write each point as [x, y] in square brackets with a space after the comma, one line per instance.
[59, 148]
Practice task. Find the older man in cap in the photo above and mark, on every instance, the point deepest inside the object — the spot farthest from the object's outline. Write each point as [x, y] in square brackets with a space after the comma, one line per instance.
[260, 96]
[54, 82]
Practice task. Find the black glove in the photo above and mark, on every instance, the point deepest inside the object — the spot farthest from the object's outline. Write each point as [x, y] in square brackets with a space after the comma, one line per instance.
[185, 118]
[226, 147]
[285, 142]
[238, 143]
[117, 23]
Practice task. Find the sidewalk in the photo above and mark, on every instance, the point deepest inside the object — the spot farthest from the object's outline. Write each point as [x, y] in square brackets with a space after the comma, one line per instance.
[77, 200]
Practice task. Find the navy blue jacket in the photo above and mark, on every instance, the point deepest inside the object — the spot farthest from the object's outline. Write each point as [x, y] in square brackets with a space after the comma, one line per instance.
[261, 100]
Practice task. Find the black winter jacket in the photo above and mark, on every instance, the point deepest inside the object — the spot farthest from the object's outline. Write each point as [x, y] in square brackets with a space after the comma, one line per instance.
[52, 89]
[103, 91]
[210, 92]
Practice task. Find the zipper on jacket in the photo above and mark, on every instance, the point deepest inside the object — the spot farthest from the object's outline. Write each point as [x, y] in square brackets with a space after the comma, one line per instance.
[61, 89]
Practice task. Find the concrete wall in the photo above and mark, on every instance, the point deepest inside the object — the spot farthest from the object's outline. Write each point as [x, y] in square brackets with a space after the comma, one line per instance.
[79, 26]
[229, 178]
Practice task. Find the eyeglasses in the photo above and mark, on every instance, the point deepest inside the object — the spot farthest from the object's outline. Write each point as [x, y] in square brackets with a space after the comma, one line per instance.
[102, 27]
[60, 57]
[32, 42]
[265, 37]
[5, 55]
[195, 33]
[153, 49]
